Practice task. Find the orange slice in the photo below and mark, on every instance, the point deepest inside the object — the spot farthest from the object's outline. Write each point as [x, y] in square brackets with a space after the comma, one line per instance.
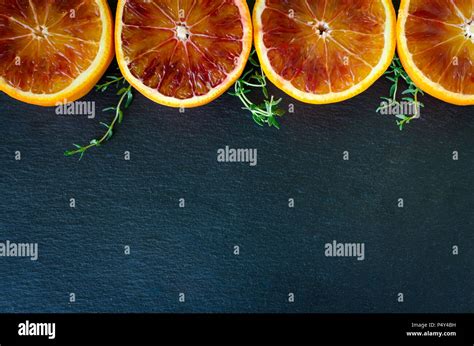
[436, 47]
[324, 51]
[182, 53]
[53, 52]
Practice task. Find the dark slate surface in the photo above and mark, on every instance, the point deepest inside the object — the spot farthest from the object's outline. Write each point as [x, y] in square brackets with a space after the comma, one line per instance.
[190, 249]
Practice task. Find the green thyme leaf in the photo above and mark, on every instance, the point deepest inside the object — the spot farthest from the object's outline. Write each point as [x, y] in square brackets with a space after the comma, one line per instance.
[263, 114]
[396, 74]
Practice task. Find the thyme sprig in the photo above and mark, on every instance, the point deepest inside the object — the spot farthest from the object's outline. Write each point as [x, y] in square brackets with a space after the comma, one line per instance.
[266, 112]
[396, 74]
[125, 100]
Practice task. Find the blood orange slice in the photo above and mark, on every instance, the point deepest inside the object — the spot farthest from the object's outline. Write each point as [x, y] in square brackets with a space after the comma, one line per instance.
[436, 47]
[182, 53]
[324, 51]
[53, 51]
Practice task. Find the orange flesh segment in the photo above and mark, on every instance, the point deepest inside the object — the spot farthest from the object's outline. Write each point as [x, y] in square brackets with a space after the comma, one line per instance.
[45, 45]
[438, 40]
[353, 46]
[190, 47]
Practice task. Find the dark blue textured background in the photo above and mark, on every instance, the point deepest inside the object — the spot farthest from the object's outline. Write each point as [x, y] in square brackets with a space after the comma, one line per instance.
[189, 250]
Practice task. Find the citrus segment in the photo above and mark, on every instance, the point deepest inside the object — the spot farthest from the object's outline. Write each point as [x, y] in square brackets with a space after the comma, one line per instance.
[193, 52]
[436, 47]
[324, 51]
[53, 51]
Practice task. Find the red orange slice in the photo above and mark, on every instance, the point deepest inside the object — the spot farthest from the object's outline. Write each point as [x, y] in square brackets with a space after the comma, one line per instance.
[436, 47]
[53, 51]
[324, 51]
[182, 53]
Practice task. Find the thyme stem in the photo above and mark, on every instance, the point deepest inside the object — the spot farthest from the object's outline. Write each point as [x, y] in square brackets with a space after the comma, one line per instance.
[126, 98]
